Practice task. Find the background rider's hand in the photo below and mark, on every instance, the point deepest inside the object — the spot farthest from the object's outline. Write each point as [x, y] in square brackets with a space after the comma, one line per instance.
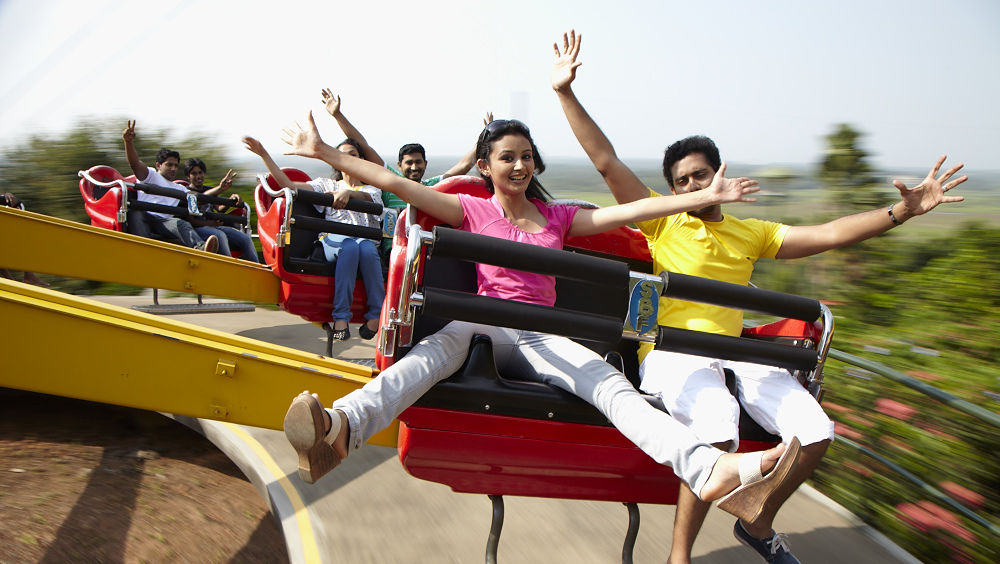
[331, 102]
[340, 198]
[926, 196]
[488, 119]
[254, 146]
[227, 181]
[128, 134]
[304, 142]
[564, 68]
[732, 189]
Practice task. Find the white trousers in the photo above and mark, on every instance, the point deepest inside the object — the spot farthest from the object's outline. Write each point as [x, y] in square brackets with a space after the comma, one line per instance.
[693, 389]
[551, 359]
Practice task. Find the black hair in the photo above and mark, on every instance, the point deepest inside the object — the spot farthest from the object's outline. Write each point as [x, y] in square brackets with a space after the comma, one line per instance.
[193, 162]
[338, 175]
[409, 149]
[693, 144]
[163, 154]
[497, 129]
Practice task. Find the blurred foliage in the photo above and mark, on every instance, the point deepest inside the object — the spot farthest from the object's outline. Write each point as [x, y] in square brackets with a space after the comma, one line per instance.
[42, 171]
[931, 307]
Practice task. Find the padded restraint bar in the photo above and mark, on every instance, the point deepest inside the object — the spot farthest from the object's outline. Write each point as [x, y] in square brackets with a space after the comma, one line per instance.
[531, 258]
[324, 226]
[518, 315]
[735, 348]
[324, 199]
[180, 194]
[704, 290]
[183, 213]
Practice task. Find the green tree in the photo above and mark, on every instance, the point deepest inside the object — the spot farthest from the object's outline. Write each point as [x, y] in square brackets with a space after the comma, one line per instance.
[846, 172]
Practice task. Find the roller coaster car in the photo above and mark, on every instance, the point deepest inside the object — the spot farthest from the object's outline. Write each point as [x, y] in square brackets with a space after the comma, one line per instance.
[288, 225]
[107, 197]
[483, 432]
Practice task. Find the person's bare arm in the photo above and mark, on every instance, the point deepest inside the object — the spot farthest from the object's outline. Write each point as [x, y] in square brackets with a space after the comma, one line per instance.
[469, 160]
[807, 240]
[139, 168]
[308, 143]
[332, 104]
[722, 190]
[255, 147]
[624, 184]
[225, 184]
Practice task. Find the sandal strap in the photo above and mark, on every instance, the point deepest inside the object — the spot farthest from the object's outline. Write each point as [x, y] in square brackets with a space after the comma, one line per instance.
[749, 467]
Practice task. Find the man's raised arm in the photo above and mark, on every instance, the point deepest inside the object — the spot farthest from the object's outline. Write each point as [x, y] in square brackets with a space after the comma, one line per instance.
[139, 168]
[624, 184]
[469, 160]
[808, 240]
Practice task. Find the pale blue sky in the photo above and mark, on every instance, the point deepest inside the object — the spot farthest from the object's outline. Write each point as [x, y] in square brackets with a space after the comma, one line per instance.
[767, 80]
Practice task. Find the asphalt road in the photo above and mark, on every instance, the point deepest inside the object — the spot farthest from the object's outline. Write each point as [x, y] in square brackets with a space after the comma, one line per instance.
[370, 510]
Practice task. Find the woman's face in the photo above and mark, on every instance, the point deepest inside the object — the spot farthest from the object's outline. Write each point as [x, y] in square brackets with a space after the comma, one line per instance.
[349, 149]
[510, 164]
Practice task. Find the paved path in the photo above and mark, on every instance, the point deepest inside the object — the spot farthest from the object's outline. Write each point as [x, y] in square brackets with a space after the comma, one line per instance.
[370, 510]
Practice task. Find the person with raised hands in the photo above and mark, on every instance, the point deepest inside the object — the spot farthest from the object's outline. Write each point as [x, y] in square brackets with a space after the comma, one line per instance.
[350, 255]
[509, 162]
[708, 243]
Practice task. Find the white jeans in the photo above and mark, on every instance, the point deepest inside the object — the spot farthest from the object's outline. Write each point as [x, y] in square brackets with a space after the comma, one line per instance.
[693, 389]
[555, 360]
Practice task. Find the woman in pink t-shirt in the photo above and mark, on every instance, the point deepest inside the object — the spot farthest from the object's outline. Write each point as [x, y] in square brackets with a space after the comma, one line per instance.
[508, 161]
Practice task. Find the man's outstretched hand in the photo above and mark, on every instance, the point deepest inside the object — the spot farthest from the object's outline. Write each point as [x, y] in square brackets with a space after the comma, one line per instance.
[927, 195]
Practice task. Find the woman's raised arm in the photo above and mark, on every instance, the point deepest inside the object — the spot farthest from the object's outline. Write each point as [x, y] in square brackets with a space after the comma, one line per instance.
[308, 143]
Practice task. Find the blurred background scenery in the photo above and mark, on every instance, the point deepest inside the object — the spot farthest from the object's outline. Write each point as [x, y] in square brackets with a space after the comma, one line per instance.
[824, 104]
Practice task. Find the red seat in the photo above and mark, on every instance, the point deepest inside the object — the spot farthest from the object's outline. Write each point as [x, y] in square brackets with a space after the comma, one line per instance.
[306, 281]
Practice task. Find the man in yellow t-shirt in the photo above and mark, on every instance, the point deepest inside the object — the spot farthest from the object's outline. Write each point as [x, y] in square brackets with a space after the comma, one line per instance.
[708, 243]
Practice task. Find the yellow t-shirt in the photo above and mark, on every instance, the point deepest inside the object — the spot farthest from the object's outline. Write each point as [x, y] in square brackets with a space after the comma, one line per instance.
[725, 250]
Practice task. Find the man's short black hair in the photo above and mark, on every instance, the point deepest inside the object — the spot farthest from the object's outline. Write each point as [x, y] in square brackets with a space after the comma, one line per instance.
[409, 149]
[686, 146]
[163, 154]
[194, 162]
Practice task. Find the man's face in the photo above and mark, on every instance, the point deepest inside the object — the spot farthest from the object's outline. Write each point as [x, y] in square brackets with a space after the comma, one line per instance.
[197, 176]
[693, 173]
[168, 168]
[413, 166]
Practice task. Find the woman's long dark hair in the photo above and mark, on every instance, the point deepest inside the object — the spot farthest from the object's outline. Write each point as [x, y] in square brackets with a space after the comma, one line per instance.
[497, 129]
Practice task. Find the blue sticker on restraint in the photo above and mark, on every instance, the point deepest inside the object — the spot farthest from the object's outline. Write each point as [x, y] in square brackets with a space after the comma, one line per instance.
[642, 306]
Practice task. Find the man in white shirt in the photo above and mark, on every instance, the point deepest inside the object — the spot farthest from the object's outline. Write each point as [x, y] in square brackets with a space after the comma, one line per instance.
[148, 223]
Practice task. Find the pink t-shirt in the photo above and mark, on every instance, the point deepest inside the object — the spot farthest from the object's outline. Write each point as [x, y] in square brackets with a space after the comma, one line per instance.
[485, 217]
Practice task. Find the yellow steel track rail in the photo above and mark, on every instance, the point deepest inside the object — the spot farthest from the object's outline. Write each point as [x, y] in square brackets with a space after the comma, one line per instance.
[65, 345]
[40, 243]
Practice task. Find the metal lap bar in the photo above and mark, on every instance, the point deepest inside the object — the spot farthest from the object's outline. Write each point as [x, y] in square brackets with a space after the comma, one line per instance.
[123, 209]
[749, 298]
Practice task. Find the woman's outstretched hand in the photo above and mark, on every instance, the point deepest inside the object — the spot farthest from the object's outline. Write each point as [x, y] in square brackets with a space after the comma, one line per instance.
[304, 142]
[729, 190]
[564, 68]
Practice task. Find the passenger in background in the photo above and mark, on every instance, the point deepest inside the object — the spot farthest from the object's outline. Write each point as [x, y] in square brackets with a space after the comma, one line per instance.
[350, 254]
[148, 223]
[411, 163]
[230, 238]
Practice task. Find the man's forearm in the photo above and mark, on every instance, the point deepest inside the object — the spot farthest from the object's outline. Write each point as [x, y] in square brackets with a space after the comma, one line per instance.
[139, 168]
